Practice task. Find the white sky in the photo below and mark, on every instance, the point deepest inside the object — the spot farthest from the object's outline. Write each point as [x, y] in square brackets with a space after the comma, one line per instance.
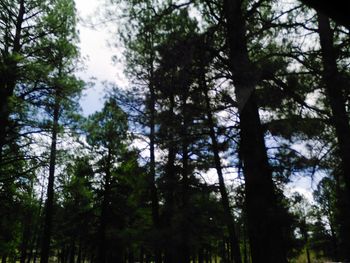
[98, 57]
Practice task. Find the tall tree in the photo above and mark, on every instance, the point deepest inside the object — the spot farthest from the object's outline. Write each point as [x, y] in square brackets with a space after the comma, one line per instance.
[334, 87]
[64, 89]
[107, 133]
[141, 58]
[265, 228]
[24, 24]
[229, 218]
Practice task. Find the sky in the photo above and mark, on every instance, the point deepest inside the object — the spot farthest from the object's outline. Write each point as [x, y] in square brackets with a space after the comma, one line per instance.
[97, 54]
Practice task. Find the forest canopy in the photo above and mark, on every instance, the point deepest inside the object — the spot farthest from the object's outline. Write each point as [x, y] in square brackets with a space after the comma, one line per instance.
[228, 104]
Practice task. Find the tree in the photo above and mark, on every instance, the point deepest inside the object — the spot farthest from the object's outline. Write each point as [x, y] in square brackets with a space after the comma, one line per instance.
[64, 89]
[334, 10]
[263, 212]
[76, 219]
[23, 25]
[325, 196]
[335, 86]
[258, 87]
[107, 133]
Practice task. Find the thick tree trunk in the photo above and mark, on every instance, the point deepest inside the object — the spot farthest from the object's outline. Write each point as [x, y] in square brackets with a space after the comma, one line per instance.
[45, 248]
[229, 218]
[264, 225]
[334, 89]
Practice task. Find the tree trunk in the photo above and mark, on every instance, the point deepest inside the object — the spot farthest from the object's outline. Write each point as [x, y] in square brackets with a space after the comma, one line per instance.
[25, 237]
[229, 218]
[72, 252]
[184, 246]
[35, 241]
[36, 252]
[131, 258]
[200, 256]
[92, 257]
[45, 248]
[79, 251]
[265, 228]
[334, 89]
[334, 241]
[303, 230]
[28, 234]
[141, 257]
[171, 252]
[154, 194]
[64, 254]
[245, 248]
[104, 211]
[308, 255]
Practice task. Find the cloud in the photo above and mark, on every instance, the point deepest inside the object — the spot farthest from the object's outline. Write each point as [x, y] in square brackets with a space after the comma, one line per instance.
[98, 57]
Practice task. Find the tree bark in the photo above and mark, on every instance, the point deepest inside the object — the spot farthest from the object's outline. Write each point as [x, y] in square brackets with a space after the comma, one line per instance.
[47, 231]
[264, 225]
[334, 88]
